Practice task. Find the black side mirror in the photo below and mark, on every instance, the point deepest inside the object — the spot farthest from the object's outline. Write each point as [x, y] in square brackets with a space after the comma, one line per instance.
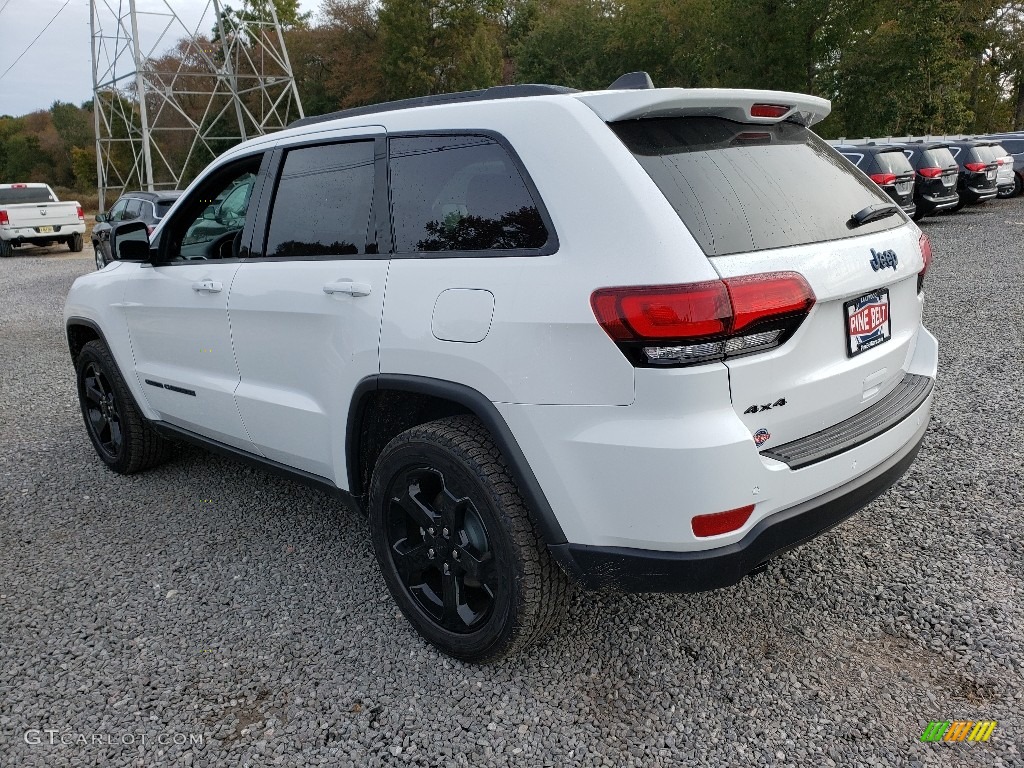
[101, 217]
[129, 241]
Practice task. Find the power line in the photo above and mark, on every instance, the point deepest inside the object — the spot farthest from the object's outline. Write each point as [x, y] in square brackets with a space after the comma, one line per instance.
[4, 6]
[36, 37]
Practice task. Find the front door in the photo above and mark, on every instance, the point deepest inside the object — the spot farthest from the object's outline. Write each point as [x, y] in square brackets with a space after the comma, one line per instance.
[177, 311]
[306, 309]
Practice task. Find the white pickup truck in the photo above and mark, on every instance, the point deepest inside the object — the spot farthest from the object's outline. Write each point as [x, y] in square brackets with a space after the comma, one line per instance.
[30, 214]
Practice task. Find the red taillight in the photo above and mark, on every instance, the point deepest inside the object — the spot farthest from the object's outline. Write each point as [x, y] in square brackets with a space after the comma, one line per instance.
[976, 167]
[881, 179]
[701, 322]
[721, 522]
[81, 214]
[768, 110]
[4, 220]
[19, 186]
[926, 254]
[930, 173]
[1004, 160]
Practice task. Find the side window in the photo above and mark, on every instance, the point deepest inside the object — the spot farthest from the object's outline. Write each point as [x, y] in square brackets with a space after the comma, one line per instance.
[118, 210]
[210, 222]
[133, 209]
[955, 152]
[323, 199]
[460, 193]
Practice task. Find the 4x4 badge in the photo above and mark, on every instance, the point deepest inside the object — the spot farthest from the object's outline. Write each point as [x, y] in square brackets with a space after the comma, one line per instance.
[766, 407]
[883, 260]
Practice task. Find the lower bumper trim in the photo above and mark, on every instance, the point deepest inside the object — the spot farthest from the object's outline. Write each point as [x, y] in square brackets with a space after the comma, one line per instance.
[639, 570]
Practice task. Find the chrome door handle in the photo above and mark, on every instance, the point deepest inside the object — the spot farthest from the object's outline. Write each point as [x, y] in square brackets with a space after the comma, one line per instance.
[347, 286]
[207, 286]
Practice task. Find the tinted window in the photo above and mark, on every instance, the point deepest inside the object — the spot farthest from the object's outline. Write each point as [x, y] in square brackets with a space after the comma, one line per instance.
[955, 152]
[162, 207]
[322, 205]
[26, 195]
[118, 210]
[893, 162]
[940, 157]
[856, 159]
[1013, 146]
[133, 209]
[741, 188]
[460, 193]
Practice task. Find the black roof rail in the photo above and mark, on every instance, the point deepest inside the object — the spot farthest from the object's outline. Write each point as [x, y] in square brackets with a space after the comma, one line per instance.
[484, 94]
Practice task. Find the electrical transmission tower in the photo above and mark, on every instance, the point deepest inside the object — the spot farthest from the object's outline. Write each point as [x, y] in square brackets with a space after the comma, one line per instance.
[165, 109]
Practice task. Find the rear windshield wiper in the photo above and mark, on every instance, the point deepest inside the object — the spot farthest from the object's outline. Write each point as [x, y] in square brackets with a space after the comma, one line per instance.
[871, 213]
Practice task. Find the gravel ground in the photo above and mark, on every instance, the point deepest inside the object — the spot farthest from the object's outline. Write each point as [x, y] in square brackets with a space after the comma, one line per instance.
[218, 605]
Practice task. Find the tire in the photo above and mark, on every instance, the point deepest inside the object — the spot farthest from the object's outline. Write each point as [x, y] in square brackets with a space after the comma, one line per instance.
[122, 437]
[919, 214]
[97, 251]
[456, 545]
[76, 242]
[6, 249]
[1018, 185]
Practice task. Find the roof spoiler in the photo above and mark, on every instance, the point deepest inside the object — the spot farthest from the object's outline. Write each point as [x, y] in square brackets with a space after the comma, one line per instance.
[741, 105]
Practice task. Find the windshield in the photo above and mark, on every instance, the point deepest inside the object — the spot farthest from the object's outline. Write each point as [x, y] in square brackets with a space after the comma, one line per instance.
[26, 195]
[742, 188]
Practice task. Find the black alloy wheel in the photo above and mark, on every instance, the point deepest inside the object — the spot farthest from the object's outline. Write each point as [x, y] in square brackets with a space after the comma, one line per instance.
[102, 412]
[440, 549]
[456, 545]
[122, 437]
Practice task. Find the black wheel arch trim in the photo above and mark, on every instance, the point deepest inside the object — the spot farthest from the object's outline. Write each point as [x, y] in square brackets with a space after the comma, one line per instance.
[537, 504]
[74, 320]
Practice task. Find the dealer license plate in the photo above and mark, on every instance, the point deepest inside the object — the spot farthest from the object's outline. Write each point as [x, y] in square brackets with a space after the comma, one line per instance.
[867, 322]
[45, 230]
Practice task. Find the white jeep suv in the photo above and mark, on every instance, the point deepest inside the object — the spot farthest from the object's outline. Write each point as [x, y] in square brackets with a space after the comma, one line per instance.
[642, 339]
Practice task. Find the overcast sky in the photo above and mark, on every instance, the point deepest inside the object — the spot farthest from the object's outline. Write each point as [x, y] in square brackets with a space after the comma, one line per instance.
[59, 65]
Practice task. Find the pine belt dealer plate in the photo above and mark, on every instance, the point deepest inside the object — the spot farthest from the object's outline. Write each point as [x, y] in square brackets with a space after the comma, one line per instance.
[867, 322]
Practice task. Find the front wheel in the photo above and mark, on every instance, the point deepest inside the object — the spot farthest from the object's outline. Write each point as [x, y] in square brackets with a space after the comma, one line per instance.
[456, 545]
[97, 251]
[120, 434]
[76, 243]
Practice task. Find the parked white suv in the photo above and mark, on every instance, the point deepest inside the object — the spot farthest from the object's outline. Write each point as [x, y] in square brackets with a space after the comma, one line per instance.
[642, 338]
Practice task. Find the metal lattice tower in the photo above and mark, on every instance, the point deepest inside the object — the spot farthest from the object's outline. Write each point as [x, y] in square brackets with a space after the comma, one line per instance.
[164, 110]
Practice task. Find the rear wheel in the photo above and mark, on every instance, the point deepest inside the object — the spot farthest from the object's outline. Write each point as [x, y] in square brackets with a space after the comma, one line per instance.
[120, 434]
[1018, 185]
[456, 545]
[76, 242]
[6, 249]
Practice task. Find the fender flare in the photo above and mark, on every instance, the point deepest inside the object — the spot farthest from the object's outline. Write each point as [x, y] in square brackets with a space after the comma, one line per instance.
[537, 504]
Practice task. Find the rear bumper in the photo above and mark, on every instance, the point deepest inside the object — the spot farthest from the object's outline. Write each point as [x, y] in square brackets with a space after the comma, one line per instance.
[638, 570]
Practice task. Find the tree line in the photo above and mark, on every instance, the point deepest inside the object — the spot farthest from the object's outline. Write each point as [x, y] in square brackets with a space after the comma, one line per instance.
[890, 67]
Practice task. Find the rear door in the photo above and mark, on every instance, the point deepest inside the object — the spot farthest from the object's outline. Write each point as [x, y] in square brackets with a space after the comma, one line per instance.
[306, 306]
[762, 199]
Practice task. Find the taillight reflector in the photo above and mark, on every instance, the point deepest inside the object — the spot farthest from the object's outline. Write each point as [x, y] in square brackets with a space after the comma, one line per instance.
[700, 322]
[4, 220]
[81, 214]
[721, 522]
[926, 254]
[976, 167]
[769, 110]
[881, 179]
[930, 173]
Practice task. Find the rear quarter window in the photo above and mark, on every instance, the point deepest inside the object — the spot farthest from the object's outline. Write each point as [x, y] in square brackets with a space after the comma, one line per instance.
[462, 193]
[741, 188]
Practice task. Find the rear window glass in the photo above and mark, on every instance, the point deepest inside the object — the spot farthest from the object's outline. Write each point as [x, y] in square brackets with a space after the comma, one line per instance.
[461, 193]
[26, 195]
[999, 151]
[940, 157]
[741, 188]
[983, 154]
[893, 162]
